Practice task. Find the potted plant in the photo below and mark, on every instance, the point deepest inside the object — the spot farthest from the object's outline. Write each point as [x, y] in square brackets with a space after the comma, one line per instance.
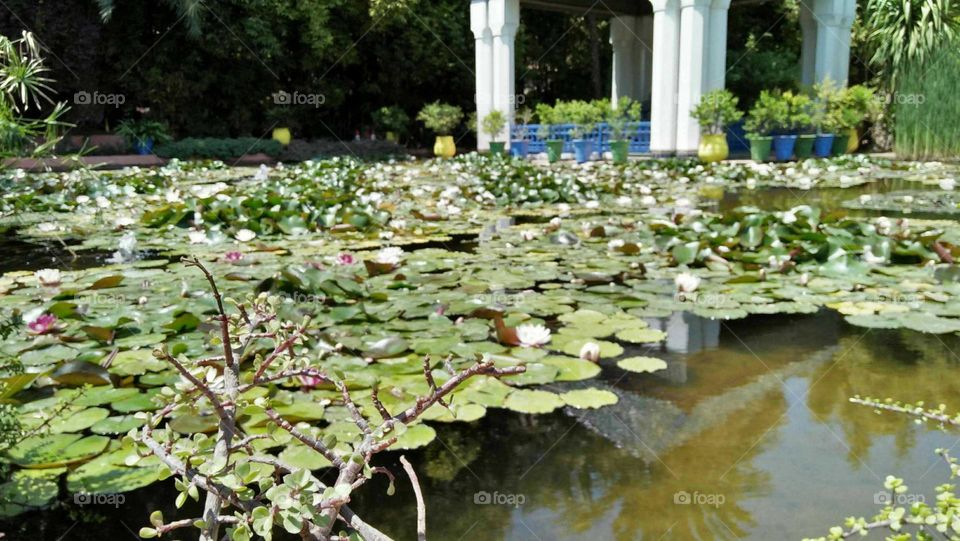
[519, 144]
[759, 125]
[492, 125]
[442, 119]
[854, 105]
[621, 119]
[549, 116]
[717, 110]
[803, 108]
[789, 115]
[142, 134]
[824, 117]
[584, 117]
[393, 120]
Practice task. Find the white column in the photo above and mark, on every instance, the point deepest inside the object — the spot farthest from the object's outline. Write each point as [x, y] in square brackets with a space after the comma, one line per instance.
[504, 18]
[808, 51]
[643, 57]
[484, 66]
[623, 37]
[694, 19]
[843, 54]
[663, 95]
[829, 15]
[717, 45]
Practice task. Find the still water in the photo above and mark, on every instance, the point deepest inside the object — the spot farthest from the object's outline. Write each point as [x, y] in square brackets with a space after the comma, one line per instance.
[747, 435]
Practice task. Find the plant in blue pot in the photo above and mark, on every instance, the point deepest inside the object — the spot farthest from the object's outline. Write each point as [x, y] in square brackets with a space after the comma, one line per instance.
[549, 116]
[789, 114]
[584, 117]
[142, 134]
[825, 117]
[519, 146]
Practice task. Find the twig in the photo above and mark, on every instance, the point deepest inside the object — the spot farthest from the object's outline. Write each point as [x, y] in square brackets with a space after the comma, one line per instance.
[421, 508]
[313, 443]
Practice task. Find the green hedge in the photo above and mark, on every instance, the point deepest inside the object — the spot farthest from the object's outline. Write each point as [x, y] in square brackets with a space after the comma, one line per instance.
[215, 148]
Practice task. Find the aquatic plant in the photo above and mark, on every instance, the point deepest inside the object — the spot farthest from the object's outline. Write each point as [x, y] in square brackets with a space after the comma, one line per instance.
[263, 492]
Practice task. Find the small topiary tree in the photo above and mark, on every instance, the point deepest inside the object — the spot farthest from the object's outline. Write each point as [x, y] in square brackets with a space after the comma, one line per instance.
[440, 118]
[717, 110]
[493, 123]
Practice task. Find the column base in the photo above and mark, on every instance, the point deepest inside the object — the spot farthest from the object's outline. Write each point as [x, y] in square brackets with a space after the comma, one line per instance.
[663, 153]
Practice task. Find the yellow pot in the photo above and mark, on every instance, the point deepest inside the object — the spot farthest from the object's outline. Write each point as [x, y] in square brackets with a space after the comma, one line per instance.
[713, 148]
[853, 141]
[445, 147]
[282, 135]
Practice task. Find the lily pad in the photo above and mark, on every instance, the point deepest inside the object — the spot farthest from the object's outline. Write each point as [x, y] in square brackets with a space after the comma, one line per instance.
[589, 398]
[529, 401]
[642, 364]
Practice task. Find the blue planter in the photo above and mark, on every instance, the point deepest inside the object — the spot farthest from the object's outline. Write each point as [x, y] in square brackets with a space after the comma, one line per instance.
[582, 149]
[783, 146]
[823, 145]
[143, 147]
[518, 148]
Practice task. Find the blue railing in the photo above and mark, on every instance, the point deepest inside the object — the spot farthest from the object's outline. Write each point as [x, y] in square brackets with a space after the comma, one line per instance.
[639, 136]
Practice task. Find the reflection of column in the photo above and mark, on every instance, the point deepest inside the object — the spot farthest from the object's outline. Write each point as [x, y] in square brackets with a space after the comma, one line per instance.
[717, 46]
[643, 57]
[689, 333]
[663, 94]
[504, 18]
[694, 16]
[622, 37]
[808, 51]
[484, 66]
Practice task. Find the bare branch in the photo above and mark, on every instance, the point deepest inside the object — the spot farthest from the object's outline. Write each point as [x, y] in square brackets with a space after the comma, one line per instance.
[313, 443]
[421, 508]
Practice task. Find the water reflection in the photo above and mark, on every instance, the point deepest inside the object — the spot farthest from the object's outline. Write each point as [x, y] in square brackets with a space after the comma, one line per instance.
[755, 440]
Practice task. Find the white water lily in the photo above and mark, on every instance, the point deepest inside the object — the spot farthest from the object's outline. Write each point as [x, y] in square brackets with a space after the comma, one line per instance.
[648, 200]
[124, 221]
[198, 237]
[245, 235]
[533, 336]
[947, 184]
[528, 234]
[592, 204]
[389, 256]
[804, 279]
[870, 259]
[865, 198]
[908, 199]
[590, 352]
[262, 174]
[615, 244]
[624, 201]
[48, 277]
[686, 282]
[789, 217]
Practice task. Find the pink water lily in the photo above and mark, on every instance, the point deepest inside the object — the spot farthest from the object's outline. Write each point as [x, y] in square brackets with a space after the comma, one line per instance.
[344, 258]
[44, 324]
[233, 257]
[310, 381]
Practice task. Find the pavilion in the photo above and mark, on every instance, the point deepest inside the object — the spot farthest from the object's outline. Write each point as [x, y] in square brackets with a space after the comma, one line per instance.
[666, 52]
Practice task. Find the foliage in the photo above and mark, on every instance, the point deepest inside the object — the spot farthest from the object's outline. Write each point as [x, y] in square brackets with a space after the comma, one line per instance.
[927, 101]
[139, 131]
[309, 197]
[766, 115]
[228, 468]
[440, 118]
[24, 85]
[548, 116]
[622, 116]
[584, 115]
[906, 35]
[921, 517]
[494, 123]
[824, 113]
[717, 110]
[216, 148]
[392, 118]
[855, 105]
[187, 10]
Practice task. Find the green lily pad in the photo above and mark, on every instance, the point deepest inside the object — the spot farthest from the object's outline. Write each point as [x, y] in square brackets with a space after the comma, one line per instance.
[641, 336]
[589, 398]
[56, 450]
[415, 436]
[642, 364]
[528, 401]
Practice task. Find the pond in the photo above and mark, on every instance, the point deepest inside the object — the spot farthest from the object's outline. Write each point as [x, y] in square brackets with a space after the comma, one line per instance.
[729, 339]
[748, 434]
